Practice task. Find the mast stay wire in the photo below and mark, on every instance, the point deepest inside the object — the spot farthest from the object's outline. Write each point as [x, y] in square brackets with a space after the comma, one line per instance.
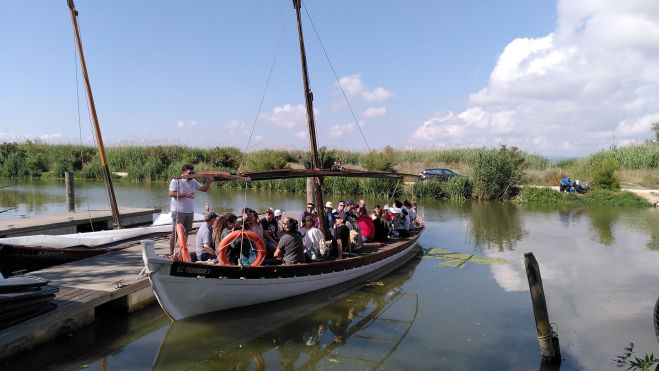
[75, 59]
[313, 25]
[258, 112]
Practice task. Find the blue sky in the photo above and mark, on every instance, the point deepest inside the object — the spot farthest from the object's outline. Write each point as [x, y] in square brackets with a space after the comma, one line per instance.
[554, 78]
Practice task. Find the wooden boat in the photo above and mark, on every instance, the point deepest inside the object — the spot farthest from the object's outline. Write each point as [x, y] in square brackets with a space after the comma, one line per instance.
[189, 289]
[41, 251]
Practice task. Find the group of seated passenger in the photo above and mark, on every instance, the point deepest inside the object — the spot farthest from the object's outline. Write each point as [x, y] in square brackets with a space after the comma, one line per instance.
[288, 241]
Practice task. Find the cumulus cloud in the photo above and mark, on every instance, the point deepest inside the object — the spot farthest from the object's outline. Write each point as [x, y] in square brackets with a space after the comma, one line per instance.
[180, 124]
[592, 82]
[375, 112]
[234, 125]
[287, 116]
[45, 138]
[353, 86]
[339, 131]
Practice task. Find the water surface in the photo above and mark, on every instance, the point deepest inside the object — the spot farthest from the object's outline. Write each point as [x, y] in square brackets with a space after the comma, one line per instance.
[599, 267]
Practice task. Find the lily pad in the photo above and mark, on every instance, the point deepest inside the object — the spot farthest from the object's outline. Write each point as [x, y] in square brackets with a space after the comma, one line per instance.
[458, 260]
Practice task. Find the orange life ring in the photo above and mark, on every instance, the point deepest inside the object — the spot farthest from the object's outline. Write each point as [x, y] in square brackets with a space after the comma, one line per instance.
[182, 237]
[222, 250]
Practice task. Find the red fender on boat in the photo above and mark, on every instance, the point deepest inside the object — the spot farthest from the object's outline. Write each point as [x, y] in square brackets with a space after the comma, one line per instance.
[182, 236]
[256, 240]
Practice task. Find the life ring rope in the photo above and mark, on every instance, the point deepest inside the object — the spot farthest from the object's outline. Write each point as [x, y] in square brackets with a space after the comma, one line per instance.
[223, 249]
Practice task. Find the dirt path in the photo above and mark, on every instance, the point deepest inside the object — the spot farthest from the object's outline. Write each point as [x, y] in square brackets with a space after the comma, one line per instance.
[651, 195]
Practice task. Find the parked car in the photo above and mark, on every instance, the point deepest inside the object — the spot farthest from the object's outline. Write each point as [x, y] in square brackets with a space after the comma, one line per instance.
[441, 174]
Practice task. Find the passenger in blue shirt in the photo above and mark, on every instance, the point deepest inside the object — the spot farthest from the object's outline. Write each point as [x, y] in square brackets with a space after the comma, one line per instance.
[566, 184]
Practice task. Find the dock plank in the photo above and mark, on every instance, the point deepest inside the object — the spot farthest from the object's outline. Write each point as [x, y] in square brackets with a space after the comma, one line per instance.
[84, 285]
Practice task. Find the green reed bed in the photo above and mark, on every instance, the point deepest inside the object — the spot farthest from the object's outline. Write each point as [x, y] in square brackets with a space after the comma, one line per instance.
[547, 196]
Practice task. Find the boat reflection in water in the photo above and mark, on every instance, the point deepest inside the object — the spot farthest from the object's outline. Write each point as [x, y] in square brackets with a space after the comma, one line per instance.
[360, 331]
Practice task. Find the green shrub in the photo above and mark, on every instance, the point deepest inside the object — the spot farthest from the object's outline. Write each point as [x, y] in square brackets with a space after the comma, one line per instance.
[223, 158]
[384, 160]
[612, 198]
[457, 188]
[535, 195]
[495, 172]
[92, 170]
[605, 178]
[265, 160]
[428, 188]
[14, 166]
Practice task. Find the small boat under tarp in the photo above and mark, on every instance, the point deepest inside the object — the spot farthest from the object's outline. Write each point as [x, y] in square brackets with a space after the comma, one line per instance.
[41, 251]
[24, 297]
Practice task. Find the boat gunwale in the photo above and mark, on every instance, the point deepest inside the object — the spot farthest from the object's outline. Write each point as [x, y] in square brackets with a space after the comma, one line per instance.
[198, 269]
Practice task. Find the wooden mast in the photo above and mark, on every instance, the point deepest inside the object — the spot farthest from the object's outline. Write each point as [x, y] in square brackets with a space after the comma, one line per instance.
[308, 96]
[97, 130]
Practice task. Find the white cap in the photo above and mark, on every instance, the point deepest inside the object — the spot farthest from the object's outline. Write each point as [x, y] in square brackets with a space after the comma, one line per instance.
[329, 204]
[278, 212]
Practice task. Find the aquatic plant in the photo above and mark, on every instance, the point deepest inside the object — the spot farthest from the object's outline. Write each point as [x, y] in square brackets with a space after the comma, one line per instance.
[643, 363]
[459, 260]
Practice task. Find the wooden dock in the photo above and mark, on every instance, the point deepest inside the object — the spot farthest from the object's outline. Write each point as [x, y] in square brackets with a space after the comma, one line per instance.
[75, 222]
[85, 285]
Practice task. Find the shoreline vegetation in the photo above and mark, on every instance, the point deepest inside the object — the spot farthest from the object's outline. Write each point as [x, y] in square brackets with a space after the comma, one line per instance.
[504, 173]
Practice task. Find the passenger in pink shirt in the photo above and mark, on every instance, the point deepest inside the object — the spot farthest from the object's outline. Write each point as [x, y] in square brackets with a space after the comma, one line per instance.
[366, 225]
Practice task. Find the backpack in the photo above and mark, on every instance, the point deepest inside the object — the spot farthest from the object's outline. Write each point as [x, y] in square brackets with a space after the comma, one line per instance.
[355, 234]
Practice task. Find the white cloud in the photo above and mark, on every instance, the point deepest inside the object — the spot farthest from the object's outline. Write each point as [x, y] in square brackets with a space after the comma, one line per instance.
[339, 131]
[45, 138]
[233, 125]
[301, 134]
[180, 124]
[592, 82]
[353, 86]
[375, 111]
[287, 116]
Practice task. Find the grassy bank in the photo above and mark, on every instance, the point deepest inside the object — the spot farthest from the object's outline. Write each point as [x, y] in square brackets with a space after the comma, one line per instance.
[490, 173]
[548, 196]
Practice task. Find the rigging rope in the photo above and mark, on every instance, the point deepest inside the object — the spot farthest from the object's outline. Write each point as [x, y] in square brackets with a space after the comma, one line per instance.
[75, 58]
[336, 77]
[258, 112]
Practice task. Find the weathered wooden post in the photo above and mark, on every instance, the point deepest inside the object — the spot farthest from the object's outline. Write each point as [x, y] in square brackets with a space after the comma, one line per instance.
[550, 350]
[70, 191]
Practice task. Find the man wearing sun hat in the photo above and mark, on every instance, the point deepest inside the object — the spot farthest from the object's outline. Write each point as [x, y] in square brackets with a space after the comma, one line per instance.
[329, 215]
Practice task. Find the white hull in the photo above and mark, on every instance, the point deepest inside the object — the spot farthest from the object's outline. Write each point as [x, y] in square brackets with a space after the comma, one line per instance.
[183, 297]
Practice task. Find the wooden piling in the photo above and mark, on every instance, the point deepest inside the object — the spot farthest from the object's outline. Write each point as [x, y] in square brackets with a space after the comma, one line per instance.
[70, 190]
[550, 351]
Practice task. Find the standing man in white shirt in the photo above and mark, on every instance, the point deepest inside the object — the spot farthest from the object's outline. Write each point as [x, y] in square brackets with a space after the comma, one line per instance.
[182, 192]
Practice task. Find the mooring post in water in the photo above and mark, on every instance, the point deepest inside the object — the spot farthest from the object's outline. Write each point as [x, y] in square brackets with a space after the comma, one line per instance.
[70, 191]
[550, 350]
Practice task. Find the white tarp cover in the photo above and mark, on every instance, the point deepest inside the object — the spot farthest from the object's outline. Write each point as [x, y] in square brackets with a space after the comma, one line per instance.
[88, 239]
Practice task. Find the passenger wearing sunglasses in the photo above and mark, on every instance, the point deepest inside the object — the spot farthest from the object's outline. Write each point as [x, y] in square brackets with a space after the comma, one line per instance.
[182, 192]
[310, 211]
